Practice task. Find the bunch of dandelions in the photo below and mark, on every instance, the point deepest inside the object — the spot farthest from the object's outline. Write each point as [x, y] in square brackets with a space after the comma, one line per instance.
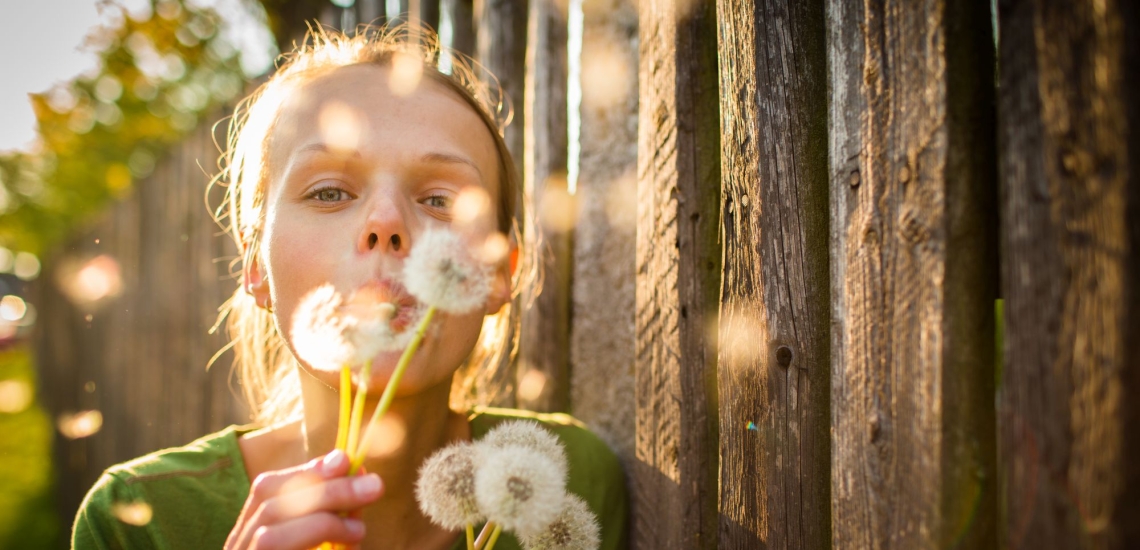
[331, 333]
[515, 480]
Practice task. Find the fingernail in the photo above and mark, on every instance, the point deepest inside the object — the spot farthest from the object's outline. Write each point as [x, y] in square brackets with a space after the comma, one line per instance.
[354, 527]
[366, 486]
[333, 460]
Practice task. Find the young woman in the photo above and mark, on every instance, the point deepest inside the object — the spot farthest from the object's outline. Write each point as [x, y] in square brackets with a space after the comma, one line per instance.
[336, 167]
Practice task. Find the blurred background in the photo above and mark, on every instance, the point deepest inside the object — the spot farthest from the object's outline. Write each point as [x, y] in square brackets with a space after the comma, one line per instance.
[112, 268]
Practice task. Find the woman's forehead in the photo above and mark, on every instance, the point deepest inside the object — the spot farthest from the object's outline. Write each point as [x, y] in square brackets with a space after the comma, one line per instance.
[368, 109]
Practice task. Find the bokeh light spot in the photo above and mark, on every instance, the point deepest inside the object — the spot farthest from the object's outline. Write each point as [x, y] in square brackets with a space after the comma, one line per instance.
[391, 433]
[94, 280]
[81, 424]
[12, 308]
[532, 385]
[340, 126]
[405, 74]
[15, 396]
[27, 266]
[607, 76]
[133, 513]
[558, 209]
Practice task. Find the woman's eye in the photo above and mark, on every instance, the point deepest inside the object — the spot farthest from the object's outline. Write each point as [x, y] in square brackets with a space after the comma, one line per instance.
[438, 201]
[329, 194]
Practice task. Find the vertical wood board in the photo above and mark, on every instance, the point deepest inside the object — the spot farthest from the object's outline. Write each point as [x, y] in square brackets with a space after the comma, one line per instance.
[912, 266]
[774, 365]
[674, 471]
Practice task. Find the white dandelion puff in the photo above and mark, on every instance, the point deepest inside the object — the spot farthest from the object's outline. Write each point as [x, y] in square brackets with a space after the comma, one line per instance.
[330, 332]
[528, 433]
[575, 528]
[318, 330]
[442, 272]
[368, 315]
[446, 487]
[519, 488]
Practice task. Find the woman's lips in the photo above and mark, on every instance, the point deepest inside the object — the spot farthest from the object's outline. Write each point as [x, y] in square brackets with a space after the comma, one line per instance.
[394, 293]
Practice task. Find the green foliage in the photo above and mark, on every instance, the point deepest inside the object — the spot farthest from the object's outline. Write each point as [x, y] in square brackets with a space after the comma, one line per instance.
[101, 132]
[27, 514]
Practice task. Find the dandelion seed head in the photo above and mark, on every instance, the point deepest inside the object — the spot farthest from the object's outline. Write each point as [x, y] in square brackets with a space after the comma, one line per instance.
[529, 434]
[330, 331]
[318, 330]
[519, 488]
[446, 487]
[575, 528]
[442, 272]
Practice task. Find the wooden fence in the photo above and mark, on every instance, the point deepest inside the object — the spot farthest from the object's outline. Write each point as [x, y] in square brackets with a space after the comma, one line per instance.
[793, 223]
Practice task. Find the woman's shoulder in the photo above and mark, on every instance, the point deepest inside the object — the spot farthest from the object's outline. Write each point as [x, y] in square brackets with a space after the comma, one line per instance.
[166, 497]
[595, 471]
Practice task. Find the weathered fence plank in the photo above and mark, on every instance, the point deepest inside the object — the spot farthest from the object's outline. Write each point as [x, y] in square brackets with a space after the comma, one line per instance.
[544, 343]
[774, 370]
[913, 266]
[501, 47]
[1071, 279]
[461, 15]
[602, 326]
[678, 278]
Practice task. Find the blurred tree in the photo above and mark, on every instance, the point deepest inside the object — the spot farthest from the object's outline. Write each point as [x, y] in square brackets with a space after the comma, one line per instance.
[105, 129]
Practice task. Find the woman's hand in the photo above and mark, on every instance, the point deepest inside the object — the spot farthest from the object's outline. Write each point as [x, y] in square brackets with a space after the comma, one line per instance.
[299, 508]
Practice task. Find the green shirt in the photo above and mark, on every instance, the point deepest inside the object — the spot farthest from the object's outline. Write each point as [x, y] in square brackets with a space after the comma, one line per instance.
[195, 493]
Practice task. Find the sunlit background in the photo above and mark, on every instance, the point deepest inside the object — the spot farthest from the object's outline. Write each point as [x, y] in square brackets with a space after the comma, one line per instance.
[94, 92]
[103, 95]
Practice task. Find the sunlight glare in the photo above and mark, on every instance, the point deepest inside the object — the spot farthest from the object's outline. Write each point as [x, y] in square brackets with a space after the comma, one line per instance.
[15, 396]
[405, 75]
[390, 436]
[340, 126]
[81, 424]
[12, 308]
[134, 513]
[532, 385]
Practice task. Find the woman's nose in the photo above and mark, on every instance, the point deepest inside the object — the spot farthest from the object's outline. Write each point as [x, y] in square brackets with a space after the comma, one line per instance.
[385, 228]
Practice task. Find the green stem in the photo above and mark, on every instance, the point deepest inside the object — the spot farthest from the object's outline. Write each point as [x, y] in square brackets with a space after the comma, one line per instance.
[494, 537]
[470, 537]
[345, 408]
[484, 533]
[358, 411]
[389, 391]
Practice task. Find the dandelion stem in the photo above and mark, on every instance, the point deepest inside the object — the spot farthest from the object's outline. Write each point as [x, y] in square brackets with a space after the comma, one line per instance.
[389, 391]
[494, 537]
[470, 537]
[484, 534]
[345, 408]
[358, 412]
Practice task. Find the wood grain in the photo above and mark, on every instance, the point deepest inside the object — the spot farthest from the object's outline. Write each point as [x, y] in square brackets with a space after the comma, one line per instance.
[1071, 276]
[501, 48]
[913, 274]
[544, 340]
[774, 374]
[674, 475]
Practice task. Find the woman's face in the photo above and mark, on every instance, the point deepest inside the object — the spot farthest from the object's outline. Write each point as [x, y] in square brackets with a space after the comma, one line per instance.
[356, 173]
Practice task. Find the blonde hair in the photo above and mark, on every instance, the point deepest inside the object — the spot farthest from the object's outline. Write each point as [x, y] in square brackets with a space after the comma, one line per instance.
[263, 365]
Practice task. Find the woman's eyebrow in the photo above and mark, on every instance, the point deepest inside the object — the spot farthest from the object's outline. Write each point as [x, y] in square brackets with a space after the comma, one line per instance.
[448, 158]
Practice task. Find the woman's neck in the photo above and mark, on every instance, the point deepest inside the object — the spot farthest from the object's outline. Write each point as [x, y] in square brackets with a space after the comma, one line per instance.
[412, 429]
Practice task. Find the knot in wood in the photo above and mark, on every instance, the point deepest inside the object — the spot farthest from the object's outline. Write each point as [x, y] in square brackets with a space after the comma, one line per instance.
[784, 356]
[854, 179]
[911, 227]
[904, 174]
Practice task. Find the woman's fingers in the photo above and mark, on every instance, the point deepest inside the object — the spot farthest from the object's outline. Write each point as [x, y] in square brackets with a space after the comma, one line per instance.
[336, 495]
[308, 531]
[282, 496]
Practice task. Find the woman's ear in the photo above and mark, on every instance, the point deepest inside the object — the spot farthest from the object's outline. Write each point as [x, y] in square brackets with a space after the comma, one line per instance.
[256, 283]
[501, 283]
